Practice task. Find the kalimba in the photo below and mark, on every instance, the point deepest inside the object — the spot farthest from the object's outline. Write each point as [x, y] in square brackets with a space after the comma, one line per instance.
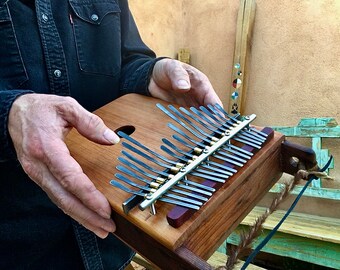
[177, 190]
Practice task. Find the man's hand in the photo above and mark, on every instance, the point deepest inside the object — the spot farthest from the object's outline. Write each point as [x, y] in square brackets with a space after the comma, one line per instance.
[38, 124]
[182, 84]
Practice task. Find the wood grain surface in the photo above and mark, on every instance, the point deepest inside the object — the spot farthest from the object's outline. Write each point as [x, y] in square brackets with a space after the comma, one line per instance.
[210, 225]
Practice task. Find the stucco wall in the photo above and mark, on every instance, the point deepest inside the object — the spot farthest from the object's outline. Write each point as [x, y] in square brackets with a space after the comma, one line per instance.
[294, 68]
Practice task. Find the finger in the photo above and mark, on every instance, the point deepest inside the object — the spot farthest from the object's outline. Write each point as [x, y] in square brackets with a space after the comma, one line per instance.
[71, 176]
[201, 84]
[179, 76]
[170, 74]
[73, 207]
[88, 124]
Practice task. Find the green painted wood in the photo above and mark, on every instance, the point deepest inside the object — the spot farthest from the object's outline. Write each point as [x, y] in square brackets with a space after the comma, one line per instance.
[312, 127]
[300, 248]
[323, 193]
[222, 249]
[315, 128]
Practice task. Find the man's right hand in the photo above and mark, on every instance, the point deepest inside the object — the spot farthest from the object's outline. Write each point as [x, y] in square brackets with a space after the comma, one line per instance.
[38, 124]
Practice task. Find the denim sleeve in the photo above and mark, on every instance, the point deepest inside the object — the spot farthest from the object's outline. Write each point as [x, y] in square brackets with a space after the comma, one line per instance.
[7, 98]
[137, 59]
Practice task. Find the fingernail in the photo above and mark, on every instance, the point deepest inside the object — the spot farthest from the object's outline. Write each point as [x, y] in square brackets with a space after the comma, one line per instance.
[104, 214]
[110, 136]
[183, 84]
[110, 226]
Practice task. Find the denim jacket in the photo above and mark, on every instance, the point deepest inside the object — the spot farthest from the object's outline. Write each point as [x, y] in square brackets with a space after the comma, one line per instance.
[90, 50]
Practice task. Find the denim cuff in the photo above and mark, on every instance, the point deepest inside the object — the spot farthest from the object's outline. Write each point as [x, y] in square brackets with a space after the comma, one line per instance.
[139, 81]
[7, 97]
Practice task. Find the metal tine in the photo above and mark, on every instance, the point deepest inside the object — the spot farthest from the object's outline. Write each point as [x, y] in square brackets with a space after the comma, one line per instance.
[200, 121]
[258, 132]
[228, 160]
[204, 133]
[247, 131]
[252, 135]
[247, 142]
[227, 125]
[131, 183]
[167, 150]
[246, 138]
[148, 189]
[163, 173]
[182, 123]
[220, 127]
[154, 177]
[134, 167]
[243, 140]
[239, 149]
[207, 177]
[174, 128]
[253, 131]
[221, 166]
[122, 187]
[217, 156]
[127, 171]
[206, 172]
[187, 205]
[201, 115]
[202, 174]
[202, 145]
[219, 107]
[235, 152]
[174, 147]
[217, 112]
[180, 191]
[127, 137]
[179, 139]
[190, 122]
[226, 147]
[135, 150]
[212, 115]
[223, 153]
[144, 165]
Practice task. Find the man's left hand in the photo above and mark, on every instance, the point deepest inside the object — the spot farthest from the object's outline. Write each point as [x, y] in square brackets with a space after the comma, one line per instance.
[182, 84]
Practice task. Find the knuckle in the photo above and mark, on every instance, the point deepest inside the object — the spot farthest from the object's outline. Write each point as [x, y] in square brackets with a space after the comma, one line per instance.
[28, 167]
[34, 148]
[67, 180]
[94, 121]
[65, 205]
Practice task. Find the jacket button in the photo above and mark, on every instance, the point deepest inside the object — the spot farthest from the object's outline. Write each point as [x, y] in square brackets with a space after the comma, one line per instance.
[57, 73]
[44, 17]
[94, 17]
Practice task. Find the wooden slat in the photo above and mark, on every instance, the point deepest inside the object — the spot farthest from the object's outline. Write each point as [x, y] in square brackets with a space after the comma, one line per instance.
[245, 22]
[300, 224]
[296, 247]
[216, 260]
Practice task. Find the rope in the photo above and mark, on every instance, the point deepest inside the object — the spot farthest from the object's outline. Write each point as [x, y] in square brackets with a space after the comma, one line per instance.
[301, 174]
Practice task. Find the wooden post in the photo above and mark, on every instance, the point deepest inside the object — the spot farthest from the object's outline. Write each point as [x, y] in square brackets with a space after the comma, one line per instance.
[245, 22]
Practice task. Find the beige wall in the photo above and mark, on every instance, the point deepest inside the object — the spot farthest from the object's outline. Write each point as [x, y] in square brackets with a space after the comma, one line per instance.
[294, 70]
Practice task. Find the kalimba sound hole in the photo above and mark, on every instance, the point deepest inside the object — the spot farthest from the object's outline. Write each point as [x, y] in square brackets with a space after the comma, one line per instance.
[126, 129]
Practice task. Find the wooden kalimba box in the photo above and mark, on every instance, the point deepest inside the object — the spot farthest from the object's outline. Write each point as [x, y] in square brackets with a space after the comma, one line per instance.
[218, 182]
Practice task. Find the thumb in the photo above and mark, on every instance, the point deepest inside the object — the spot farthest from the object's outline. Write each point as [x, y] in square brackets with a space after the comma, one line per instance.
[169, 71]
[90, 125]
